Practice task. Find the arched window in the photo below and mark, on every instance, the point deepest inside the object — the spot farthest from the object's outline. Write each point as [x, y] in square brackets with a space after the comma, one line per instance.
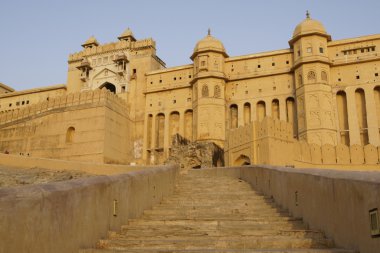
[311, 76]
[217, 91]
[70, 134]
[341, 101]
[205, 90]
[260, 110]
[324, 76]
[234, 116]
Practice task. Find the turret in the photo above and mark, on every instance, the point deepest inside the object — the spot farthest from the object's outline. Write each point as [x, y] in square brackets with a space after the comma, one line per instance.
[208, 89]
[316, 121]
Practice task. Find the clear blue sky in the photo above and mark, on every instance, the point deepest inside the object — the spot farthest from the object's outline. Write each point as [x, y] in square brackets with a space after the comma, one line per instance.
[37, 36]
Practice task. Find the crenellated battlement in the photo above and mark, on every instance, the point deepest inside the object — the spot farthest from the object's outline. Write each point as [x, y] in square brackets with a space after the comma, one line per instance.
[95, 98]
[113, 46]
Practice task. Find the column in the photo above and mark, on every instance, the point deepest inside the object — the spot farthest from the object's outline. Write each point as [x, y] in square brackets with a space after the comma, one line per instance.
[373, 128]
[166, 135]
[282, 104]
[240, 114]
[352, 117]
[182, 123]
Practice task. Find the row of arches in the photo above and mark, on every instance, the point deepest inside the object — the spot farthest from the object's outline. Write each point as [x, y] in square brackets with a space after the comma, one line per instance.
[261, 112]
[162, 127]
[344, 114]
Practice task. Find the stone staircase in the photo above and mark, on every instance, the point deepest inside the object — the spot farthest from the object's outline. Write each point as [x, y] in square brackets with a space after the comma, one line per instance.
[215, 214]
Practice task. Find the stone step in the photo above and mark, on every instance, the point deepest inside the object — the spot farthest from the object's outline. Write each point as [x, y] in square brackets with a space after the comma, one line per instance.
[214, 211]
[220, 251]
[205, 242]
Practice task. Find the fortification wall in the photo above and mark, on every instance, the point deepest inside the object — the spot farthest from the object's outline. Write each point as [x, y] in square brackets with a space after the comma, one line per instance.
[335, 202]
[271, 142]
[66, 216]
[80, 126]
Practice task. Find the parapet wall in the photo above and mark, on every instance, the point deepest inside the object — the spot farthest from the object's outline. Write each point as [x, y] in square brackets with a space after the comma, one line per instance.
[66, 216]
[95, 97]
[335, 202]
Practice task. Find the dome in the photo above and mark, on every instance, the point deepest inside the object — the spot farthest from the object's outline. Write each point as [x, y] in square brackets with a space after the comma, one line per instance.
[126, 35]
[209, 43]
[308, 26]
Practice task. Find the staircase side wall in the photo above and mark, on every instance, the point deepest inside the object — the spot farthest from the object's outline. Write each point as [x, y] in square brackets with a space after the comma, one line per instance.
[335, 202]
[66, 216]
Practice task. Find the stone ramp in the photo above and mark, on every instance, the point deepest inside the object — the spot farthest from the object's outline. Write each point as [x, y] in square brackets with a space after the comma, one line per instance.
[215, 214]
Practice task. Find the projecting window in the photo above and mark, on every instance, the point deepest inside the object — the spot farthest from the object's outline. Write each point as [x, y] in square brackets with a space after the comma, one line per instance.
[309, 50]
[321, 50]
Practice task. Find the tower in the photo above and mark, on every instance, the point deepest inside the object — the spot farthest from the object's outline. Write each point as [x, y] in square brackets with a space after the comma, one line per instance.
[208, 90]
[316, 119]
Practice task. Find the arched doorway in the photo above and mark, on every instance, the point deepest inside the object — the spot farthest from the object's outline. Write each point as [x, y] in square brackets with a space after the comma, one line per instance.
[108, 86]
[242, 160]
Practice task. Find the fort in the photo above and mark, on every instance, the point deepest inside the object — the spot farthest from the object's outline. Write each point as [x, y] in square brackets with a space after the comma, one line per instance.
[290, 137]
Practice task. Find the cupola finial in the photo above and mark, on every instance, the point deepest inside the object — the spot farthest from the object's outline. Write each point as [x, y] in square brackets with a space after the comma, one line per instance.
[209, 32]
[307, 14]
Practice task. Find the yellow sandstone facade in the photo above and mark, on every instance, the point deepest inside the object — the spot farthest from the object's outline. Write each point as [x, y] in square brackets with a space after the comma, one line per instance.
[315, 103]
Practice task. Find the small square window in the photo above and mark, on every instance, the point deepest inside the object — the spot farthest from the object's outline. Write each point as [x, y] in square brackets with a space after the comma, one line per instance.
[337, 55]
[339, 79]
[23, 102]
[150, 105]
[376, 74]
[321, 50]
[246, 92]
[160, 81]
[299, 53]
[203, 63]
[373, 48]
[180, 78]
[188, 99]
[17, 103]
[232, 70]
[259, 66]
[374, 222]
[260, 90]
[27, 102]
[274, 88]
[189, 76]
[151, 82]
[287, 62]
[10, 104]
[175, 78]
[362, 50]
[309, 50]
[357, 77]
[174, 101]
[134, 71]
[273, 64]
